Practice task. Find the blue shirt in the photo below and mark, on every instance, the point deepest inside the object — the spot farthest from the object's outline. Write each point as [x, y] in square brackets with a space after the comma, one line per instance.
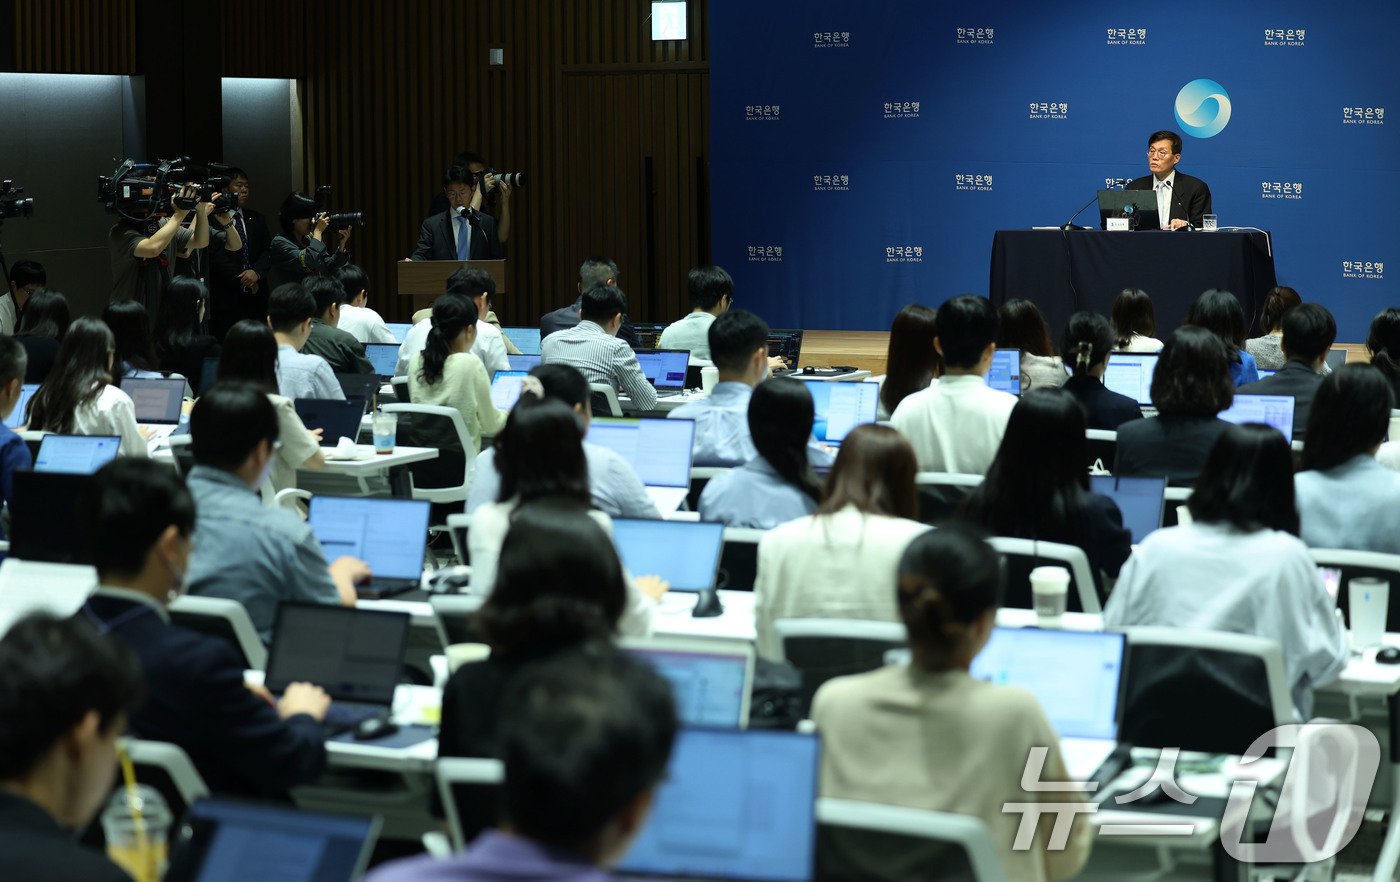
[722, 428]
[1355, 505]
[250, 553]
[1246, 370]
[614, 486]
[494, 857]
[14, 457]
[300, 375]
[753, 495]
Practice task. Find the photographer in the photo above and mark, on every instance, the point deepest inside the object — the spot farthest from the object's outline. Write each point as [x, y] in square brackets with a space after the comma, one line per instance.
[141, 261]
[238, 276]
[492, 196]
[461, 232]
[26, 277]
[302, 249]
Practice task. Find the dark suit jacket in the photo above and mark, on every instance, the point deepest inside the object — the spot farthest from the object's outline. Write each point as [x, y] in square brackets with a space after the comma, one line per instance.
[435, 240]
[1171, 447]
[196, 699]
[225, 265]
[1190, 196]
[1103, 408]
[568, 317]
[34, 848]
[1294, 378]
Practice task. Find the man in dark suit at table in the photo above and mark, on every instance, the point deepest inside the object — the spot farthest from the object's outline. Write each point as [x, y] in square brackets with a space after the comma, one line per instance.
[1181, 199]
[458, 233]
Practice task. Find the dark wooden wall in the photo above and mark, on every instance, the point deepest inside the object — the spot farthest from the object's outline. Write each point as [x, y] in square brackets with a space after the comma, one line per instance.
[611, 129]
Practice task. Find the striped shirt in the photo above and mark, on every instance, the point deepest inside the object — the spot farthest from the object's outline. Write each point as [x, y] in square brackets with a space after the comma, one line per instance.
[602, 358]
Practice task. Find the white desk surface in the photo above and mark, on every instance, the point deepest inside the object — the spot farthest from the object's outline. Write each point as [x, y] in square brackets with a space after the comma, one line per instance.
[375, 463]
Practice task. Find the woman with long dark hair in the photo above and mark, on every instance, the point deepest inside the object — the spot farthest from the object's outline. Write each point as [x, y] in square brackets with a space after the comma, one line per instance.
[250, 356]
[840, 561]
[1037, 487]
[305, 247]
[447, 373]
[1239, 565]
[1383, 344]
[778, 485]
[79, 397]
[41, 331]
[180, 342]
[1220, 313]
[911, 361]
[1135, 322]
[131, 328]
[1020, 325]
[1086, 345]
[1267, 349]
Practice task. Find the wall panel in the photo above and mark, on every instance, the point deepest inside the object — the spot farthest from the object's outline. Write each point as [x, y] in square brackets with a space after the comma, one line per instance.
[75, 36]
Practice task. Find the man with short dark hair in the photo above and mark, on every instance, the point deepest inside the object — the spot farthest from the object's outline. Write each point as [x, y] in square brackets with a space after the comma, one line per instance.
[956, 425]
[592, 347]
[1308, 333]
[26, 277]
[476, 285]
[711, 295]
[14, 453]
[238, 278]
[586, 738]
[342, 352]
[356, 317]
[1181, 199]
[738, 345]
[244, 550]
[243, 742]
[593, 272]
[290, 311]
[65, 692]
[461, 232]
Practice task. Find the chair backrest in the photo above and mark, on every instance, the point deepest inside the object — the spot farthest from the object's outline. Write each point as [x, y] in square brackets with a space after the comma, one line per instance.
[941, 494]
[223, 618]
[470, 790]
[738, 560]
[1102, 447]
[400, 387]
[605, 401]
[699, 477]
[1359, 564]
[1024, 555]
[1211, 691]
[455, 614]
[825, 648]
[864, 840]
[168, 769]
[449, 477]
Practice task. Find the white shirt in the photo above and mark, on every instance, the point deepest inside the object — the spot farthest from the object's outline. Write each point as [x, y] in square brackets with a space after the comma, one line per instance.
[111, 413]
[364, 324]
[1164, 198]
[490, 346]
[1207, 576]
[955, 425]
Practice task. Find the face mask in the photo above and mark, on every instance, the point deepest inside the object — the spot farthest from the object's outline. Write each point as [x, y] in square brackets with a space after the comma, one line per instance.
[266, 470]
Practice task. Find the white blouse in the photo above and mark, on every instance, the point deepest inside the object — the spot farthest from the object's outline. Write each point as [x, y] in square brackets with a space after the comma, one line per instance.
[111, 413]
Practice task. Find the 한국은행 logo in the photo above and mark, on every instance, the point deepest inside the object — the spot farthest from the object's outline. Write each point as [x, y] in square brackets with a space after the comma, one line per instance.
[765, 254]
[1363, 116]
[1203, 108]
[1285, 36]
[761, 112]
[1363, 269]
[831, 39]
[1116, 183]
[901, 110]
[1281, 189]
[904, 254]
[976, 36]
[1049, 110]
[831, 183]
[1127, 36]
[972, 182]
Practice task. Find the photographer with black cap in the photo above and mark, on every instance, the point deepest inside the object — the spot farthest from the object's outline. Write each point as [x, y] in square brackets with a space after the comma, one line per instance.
[144, 249]
[302, 250]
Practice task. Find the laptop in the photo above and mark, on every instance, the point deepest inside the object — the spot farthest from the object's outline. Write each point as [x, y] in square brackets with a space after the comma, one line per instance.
[399, 329]
[208, 374]
[362, 386]
[840, 407]
[683, 553]
[391, 535]
[158, 404]
[1078, 678]
[1115, 203]
[1130, 374]
[384, 357]
[648, 334]
[16, 417]
[1272, 410]
[785, 343]
[735, 805]
[527, 340]
[523, 362]
[1141, 501]
[1264, 374]
[1005, 373]
[1335, 358]
[356, 655]
[226, 840]
[711, 679]
[664, 369]
[660, 451]
[335, 418]
[76, 454]
[505, 388]
[46, 523]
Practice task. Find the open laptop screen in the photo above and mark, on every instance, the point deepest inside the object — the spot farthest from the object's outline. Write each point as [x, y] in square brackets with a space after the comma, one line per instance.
[387, 534]
[527, 340]
[335, 418]
[1130, 374]
[1077, 676]
[1005, 373]
[684, 553]
[157, 401]
[384, 357]
[242, 840]
[711, 684]
[1139, 499]
[16, 417]
[399, 329]
[735, 804]
[505, 388]
[785, 343]
[660, 451]
[76, 454]
[1272, 410]
[523, 362]
[664, 368]
[45, 521]
[353, 654]
[840, 407]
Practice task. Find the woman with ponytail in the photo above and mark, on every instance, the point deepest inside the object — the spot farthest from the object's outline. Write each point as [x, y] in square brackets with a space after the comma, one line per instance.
[1086, 344]
[448, 374]
[1383, 343]
[778, 485]
[928, 735]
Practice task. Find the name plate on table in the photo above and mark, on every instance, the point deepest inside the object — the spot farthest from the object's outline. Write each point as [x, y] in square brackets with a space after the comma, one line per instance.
[1118, 223]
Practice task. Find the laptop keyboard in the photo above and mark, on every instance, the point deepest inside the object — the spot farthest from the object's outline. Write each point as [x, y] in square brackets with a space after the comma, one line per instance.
[346, 715]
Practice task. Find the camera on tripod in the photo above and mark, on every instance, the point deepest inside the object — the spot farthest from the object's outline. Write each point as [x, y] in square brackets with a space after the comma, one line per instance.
[10, 203]
[142, 190]
[335, 220]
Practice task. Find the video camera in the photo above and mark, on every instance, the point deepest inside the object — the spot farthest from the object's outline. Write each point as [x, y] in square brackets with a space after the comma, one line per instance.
[337, 220]
[140, 191]
[10, 203]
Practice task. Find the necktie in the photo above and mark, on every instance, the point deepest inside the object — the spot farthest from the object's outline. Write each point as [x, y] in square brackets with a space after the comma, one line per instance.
[464, 238]
[242, 237]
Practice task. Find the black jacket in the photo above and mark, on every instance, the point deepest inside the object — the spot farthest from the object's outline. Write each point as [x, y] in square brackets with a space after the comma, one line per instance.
[34, 848]
[436, 242]
[1296, 379]
[1190, 196]
[1103, 408]
[1171, 447]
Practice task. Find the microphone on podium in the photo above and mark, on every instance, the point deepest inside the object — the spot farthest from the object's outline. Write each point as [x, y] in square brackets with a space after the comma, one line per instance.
[1070, 224]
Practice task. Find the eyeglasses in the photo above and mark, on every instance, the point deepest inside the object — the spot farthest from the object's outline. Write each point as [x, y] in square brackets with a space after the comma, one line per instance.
[1159, 154]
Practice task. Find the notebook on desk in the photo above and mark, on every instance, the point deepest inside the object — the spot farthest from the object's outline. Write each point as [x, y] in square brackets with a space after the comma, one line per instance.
[840, 407]
[1130, 374]
[664, 369]
[76, 454]
[335, 418]
[527, 340]
[45, 521]
[384, 357]
[362, 386]
[786, 343]
[391, 535]
[660, 451]
[1005, 373]
[1271, 410]
[158, 405]
[17, 416]
[711, 679]
[735, 805]
[648, 334]
[1078, 678]
[356, 655]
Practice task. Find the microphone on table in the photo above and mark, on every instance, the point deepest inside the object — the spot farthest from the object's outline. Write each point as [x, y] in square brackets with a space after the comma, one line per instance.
[1069, 224]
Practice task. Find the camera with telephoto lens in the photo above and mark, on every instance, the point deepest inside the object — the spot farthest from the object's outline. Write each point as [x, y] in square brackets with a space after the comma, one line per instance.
[10, 203]
[335, 220]
[514, 179]
[140, 191]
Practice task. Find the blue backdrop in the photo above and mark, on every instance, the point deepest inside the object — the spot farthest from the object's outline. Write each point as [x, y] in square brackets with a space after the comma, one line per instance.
[863, 154]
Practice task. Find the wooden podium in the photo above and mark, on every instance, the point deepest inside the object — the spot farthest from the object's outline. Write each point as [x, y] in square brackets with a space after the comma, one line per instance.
[424, 280]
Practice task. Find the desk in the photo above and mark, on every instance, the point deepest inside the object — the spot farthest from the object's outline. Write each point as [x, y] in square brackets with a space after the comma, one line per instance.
[1048, 267]
[393, 465]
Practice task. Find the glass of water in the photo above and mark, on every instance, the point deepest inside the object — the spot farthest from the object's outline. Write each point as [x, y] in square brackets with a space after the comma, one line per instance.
[1210, 222]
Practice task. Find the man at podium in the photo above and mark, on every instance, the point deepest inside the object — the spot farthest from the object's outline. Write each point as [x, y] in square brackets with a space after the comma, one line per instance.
[1181, 199]
[459, 233]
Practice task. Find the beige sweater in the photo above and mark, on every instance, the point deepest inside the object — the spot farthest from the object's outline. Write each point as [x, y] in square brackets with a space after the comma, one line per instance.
[946, 742]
